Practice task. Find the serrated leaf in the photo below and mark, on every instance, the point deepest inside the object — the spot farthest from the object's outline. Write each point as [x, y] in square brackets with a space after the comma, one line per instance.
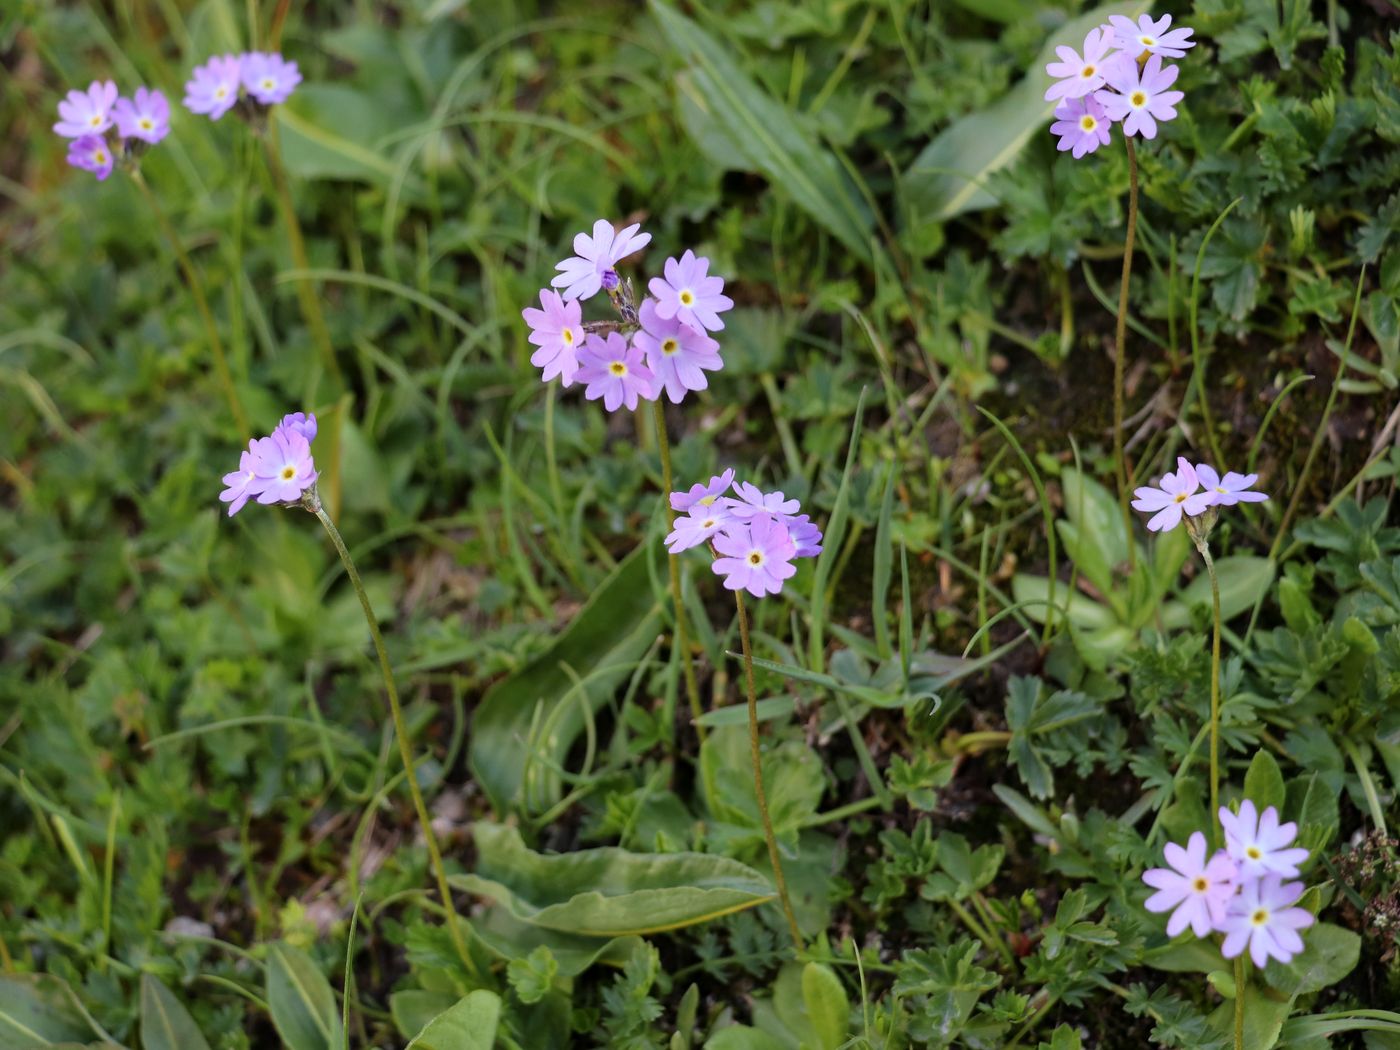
[165, 1023]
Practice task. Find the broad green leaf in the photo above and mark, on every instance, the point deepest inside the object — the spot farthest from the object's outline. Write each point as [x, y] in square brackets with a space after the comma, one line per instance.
[742, 1037]
[303, 1006]
[513, 939]
[1243, 580]
[1263, 782]
[602, 645]
[1317, 813]
[1007, 12]
[1098, 520]
[41, 1010]
[772, 138]
[949, 177]
[470, 1025]
[792, 779]
[608, 892]
[1082, 610]
[327, 131]
[1191, 956]
[165, 1023]
[1263, 1018]
[1329, 954]
[1089, 557]
[828, 1010]
[413, 1009]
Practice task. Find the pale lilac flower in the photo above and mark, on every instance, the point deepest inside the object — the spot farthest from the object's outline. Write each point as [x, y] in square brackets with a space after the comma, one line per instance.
[1081, 124]
[582, 274]
[1142, 97]
[696, 527]
[300, 423]
[558, 332]
[689, 294]
[1199, 889]
[87, 112]
[678, 354]
[240, 483]
[1258, 843]
[1175, 496]
[282, 466]
[753, 502]
[269, 78]
[1231, 489]
[1078, 76]
[1152, 37]
[1261, 917]
[146, 118]
[613, 370]
[806, 537]
[91, 153]
[703, 495]
[213, 87]
[757, 556]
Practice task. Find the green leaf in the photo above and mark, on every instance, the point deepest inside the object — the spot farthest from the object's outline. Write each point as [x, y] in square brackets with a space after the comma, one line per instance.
[608, 892]
[1191, 956]
[1329, 954]
[1263, 1018]
[1318, 814]
[1244, 579]
[413, 1009]
[950, 175]
[328, 131]
[602, 645]
[742, 1037]
[470, 1025]
[1263, 782]
[771, 137]
[1082, 610]
[1097, 519]
[41, 1010]
[828, 1009]
[301, 1001]
[165, 1023]
[514, 940]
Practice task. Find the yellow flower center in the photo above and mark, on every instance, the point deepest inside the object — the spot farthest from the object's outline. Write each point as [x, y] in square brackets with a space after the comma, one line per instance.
[568, 335]
[687, 298]
[617, 368]
[1180, 497]
[221, 92]
[705, 501]
[1199, 884]
[669, 347]
[1146, 41]
[1138, 99]
[1088, 123]
[145, 123]
[96, 119]
[267, 84]
[100, 156]
[1259, 917]
[755, 557]
[1253, 853]
[288, 472]
[1088, 71]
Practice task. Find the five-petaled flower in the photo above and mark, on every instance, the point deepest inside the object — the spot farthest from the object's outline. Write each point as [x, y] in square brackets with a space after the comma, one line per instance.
[275, 469]
[1231, 489]
[705, 495]
[1147, 36]
[557, 330]
[1141, 97]
[268, 78]
[1078, 76]
[213, 87]
[1196, 886]
[145, 117]
[689, 294]
[613, 369]
[1263, 918]
[91, 153]
[87, 112]
[756, 556]
[1258, 843]
[1082, 125]
[677, 354]
[582, 274]
[1175, 495]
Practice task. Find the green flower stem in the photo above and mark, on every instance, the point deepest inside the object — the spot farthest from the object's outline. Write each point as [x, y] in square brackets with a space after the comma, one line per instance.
[1204, 548]
[1368, 786]
[1239, 1001]
[211, 330]
[1120, 461]
[692, 688]
[313, 503]
[756, 754]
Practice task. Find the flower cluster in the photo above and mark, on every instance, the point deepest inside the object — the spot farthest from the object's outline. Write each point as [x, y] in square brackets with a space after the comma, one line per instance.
[1118, 78]
[1191, 491]
[213, 88]
[274, 469]
[664, 346]
[86, 117]
[1240, 891]
[756, 535]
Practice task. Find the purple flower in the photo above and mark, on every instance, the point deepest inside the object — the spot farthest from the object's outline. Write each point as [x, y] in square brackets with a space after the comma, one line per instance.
[1231, 489]
[1199, 889]
[1082, 125]
[1258, 842]
[689, 295]
[282, 466]
[213, 87]
[696, 527]
[147, 118]
[1261, 917]
[300, 423]
[757, 556]
[805, 536]
[613, 370]
[678, 354]
[87, 112]
[1081, 76]
[91, 153]
[582, 274]
[703, 495]
[558, 332]
[753, 502]
[1176, 496]
[1150, 36]
[269, 78]
[240, 483]
[1142, 97]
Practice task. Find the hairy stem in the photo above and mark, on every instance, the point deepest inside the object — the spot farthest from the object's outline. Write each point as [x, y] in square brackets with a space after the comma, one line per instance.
[1214, 689]
[762, 796]
[692, 688]
[196, 286]
[1120, 460]
[1239, 1001]
[400, 731]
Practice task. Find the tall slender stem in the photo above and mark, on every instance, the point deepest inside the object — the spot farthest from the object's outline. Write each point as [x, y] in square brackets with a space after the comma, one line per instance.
[692, 688]
[1214, 688]
[757, 756]
[1239, 1001]
[196, 286]
[313, 503]
[1120, 460]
